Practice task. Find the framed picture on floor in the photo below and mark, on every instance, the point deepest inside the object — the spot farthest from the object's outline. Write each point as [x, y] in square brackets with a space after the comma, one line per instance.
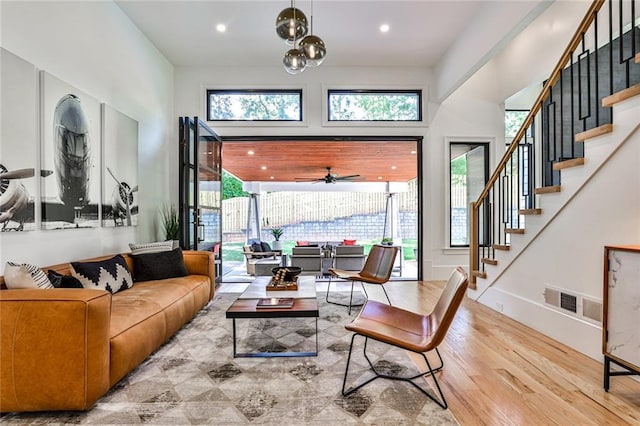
[70, 153]
[18, 142]
[120, 168]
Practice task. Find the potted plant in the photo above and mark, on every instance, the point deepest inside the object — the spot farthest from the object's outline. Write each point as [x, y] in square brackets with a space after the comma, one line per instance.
[170, 223]
[277, 233]
[387, 241]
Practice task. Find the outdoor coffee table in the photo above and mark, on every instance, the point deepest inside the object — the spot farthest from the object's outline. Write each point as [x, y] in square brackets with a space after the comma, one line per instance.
[305, 305]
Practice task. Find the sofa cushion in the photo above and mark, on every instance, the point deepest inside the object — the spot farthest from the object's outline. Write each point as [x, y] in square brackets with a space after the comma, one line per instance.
[63, 281]
[159, 266]
[25, 276]
[151, 247]
[111, 274]
[256, 247]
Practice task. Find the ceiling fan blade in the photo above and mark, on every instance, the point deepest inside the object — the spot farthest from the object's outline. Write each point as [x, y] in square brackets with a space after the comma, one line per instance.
[347, 177]
[308, 179]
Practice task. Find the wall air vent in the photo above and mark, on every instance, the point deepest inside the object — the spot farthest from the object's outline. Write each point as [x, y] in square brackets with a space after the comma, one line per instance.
[575, 304]
[569, 302]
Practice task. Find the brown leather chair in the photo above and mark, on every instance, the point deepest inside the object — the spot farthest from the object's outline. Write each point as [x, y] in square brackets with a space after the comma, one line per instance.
[376, 270]
[409, 330]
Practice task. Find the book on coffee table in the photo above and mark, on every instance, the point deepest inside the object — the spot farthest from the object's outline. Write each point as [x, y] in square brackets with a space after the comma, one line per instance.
[275, 302]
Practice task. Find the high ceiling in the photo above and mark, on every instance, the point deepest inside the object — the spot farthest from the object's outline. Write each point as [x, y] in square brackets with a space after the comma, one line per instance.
[287, 161]
[420, 32]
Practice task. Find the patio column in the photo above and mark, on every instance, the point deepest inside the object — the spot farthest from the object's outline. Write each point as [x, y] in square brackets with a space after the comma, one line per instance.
[391, 218]
[253, 231]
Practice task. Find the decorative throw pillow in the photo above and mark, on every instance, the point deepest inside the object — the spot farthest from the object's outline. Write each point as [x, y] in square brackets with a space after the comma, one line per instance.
[112, 274]
[256, 247]
[151, 247]
[63, 281]
[302, 243]
[265, 246]
[158, 266]
[25, 276]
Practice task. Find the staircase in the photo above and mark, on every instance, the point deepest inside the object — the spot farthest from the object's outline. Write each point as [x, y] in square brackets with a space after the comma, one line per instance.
[600, 144]
[568, 185]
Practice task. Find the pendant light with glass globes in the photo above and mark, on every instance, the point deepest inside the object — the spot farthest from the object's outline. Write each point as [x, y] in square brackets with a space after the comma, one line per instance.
[291, 26]
[313, 46]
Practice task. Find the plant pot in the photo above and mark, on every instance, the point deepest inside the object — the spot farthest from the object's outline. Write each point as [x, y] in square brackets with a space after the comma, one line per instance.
[277, 245]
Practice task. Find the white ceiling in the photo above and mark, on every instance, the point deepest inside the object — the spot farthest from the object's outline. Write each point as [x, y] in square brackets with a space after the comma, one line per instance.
[185, 31]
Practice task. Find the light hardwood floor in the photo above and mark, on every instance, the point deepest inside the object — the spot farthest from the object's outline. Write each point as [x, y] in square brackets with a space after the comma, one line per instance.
[500, 372]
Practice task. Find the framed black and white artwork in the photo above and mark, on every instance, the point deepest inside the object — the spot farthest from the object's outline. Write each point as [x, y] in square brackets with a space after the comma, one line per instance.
[120, 168]
[70, 155]
[18, 142]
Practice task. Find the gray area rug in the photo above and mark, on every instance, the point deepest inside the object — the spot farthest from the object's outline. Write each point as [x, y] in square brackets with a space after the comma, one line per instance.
[194, 379]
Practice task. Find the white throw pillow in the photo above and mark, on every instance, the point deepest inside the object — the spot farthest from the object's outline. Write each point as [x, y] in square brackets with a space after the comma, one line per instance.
[151, 247]
[25, 276]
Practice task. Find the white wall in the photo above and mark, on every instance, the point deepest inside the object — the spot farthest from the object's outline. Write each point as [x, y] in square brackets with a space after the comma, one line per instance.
[568, 254]
[95, 47]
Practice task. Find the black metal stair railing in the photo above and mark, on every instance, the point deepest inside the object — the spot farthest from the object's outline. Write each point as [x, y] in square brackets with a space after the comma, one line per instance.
[599, 61]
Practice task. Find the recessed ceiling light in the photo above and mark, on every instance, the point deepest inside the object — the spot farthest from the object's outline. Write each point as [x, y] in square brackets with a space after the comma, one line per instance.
[384, 28]
[414, 152]
[379, 177]
[221, 28]
[264, 167]
[271, 177]
[393, 167]
[250, 152]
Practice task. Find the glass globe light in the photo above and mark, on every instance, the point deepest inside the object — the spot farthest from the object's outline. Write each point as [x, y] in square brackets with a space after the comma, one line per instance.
[294, 61]
[291, 25]
[314, 49]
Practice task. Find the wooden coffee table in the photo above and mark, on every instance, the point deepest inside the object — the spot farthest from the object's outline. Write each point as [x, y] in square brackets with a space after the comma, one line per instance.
[305, 305]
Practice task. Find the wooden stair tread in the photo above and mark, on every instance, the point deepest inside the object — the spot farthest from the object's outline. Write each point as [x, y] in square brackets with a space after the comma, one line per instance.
[501, 247]
[529, 211]
[479, 274]
[514, 231]
[548, 189]
[592, 133]
[488, 261]
[621, 96]
[574, 162]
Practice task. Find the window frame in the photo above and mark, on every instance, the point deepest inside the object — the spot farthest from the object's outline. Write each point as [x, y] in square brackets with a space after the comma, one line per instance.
[489, 143]
[412, 89]
[255, 90]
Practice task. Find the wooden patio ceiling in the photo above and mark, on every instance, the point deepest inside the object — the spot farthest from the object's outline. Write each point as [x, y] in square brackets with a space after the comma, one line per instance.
[287, 160]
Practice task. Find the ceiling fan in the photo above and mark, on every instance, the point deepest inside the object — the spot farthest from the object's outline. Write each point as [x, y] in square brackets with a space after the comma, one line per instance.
[329, 178]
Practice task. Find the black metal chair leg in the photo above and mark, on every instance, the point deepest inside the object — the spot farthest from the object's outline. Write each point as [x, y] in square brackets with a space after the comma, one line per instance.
[350, 305]
[440, 401]
[385, 293]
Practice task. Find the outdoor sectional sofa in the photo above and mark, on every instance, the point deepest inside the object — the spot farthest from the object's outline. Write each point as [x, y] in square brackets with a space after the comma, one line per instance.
[62, 349]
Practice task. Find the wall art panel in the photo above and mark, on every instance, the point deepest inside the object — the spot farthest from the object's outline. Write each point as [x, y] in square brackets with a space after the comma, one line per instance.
[18, 142]
[120, 168]
[70, 155]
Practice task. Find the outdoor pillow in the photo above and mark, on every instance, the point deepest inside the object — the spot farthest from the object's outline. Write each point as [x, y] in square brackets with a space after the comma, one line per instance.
[302, 243]
[349, 242]
[158, 266]
[256, 247]
[265, 246]
[111, 274]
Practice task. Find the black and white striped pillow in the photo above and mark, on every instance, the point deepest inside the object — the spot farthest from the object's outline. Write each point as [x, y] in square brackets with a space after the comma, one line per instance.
[25, 276]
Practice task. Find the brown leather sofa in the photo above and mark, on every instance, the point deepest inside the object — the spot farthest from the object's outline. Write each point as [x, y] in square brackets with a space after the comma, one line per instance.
[62, 349]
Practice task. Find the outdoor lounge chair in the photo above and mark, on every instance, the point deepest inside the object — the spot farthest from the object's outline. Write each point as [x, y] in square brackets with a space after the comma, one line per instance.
[254, 257]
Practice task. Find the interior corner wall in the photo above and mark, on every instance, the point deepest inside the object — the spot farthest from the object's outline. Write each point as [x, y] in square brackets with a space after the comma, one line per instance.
[96, 48]
[469, 112]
